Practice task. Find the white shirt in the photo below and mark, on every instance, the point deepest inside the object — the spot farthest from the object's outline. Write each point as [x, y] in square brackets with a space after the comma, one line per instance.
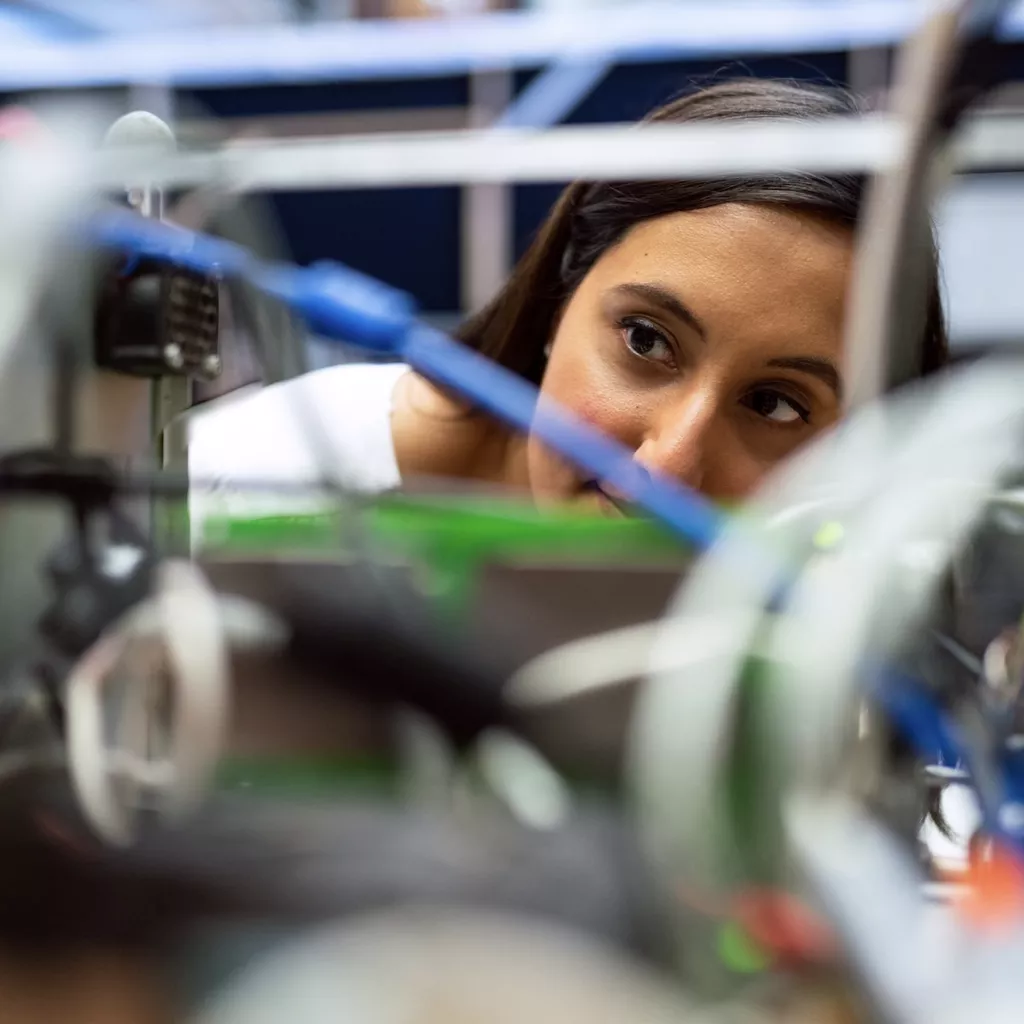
[283, 434]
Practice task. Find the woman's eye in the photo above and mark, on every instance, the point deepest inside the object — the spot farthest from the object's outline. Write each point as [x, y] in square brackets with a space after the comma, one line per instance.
[647, 341]
[777, 407]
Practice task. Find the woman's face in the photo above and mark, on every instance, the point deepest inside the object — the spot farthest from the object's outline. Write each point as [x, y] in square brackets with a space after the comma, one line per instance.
[707, 343]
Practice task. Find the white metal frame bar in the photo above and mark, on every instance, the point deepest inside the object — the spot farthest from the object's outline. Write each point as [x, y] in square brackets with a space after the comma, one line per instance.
[423, 47]
[648, 151]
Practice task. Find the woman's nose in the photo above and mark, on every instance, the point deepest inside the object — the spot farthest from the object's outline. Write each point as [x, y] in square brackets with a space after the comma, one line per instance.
[676, 440]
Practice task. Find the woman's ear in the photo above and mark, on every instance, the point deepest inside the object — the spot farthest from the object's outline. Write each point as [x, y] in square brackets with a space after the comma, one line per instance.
[547, 350]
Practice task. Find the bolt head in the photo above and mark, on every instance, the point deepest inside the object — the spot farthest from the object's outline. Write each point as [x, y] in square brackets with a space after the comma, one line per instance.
[173, 356]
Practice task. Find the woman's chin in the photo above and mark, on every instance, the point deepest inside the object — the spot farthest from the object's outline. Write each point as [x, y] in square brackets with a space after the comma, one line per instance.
[591, 498]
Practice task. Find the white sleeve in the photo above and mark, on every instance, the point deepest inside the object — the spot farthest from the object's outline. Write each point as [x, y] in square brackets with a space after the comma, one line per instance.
[265, 437]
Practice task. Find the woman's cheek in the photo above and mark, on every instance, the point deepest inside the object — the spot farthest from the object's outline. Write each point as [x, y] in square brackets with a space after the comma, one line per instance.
[622, 417]
[554, 479]
[592, 390]
[596, 398]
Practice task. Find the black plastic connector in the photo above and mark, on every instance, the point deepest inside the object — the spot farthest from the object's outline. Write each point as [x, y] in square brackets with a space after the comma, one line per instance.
[154, 320]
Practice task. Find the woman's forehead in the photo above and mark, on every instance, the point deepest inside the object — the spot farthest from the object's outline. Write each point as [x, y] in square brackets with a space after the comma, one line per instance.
[730, 256]
[740, 236]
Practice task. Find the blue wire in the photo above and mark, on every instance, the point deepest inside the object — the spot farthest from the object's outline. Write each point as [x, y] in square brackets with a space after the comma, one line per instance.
[343, 305]
[145, 238]
[930, 731]
[919, 718]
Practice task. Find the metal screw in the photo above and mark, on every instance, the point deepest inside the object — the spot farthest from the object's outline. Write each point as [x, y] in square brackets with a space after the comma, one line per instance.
[211, 365]
[173, 356]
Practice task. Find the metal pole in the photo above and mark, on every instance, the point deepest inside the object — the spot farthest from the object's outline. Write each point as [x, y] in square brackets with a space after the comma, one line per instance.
[486, 207]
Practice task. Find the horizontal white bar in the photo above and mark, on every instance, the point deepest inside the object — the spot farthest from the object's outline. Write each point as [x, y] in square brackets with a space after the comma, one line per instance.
[452, 46]
[648, 152]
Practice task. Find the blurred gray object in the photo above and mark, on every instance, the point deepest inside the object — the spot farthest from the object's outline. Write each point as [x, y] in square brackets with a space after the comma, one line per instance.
[981, 234]
[432, 966]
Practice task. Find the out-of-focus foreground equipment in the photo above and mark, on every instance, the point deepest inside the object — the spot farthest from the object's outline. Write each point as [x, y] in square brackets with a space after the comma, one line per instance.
[397, 758]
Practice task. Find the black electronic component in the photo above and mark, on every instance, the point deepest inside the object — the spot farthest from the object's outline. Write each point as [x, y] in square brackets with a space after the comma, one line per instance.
[158, 321]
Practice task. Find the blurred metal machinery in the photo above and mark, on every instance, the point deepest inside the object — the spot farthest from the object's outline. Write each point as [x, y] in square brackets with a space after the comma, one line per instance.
[787, 714]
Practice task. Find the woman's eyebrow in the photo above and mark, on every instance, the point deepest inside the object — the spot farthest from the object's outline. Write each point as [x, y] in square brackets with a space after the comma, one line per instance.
[824, 369]
[665, 300]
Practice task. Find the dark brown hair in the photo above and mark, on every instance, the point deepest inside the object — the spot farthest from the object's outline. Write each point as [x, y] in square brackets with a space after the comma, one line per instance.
[590, 218]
